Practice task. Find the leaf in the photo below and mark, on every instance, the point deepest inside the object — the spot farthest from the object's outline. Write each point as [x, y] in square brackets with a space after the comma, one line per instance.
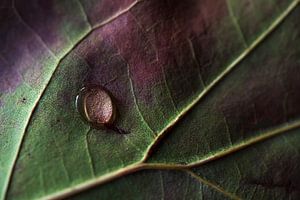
[207, 90]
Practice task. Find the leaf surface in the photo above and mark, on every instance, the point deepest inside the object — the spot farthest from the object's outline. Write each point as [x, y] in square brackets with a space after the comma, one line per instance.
[200, 87]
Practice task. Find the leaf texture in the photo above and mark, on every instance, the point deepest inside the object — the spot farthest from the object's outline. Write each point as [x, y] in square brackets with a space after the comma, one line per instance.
[207, 90]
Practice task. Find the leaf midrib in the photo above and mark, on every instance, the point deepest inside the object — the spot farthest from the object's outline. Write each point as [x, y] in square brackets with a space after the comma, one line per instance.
[212, 185]
[141, 165]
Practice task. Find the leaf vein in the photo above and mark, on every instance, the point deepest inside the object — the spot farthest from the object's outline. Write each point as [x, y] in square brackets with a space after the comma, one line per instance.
[192, 49]
[85, 14]
[141, 165]
[212, 185]
[222, 75]
[135, 101]
[85, 35]
[89, 152]
[39, 38]
[236, 24]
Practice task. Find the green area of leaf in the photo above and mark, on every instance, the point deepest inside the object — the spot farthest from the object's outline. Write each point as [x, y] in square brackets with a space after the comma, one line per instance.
[212, 113]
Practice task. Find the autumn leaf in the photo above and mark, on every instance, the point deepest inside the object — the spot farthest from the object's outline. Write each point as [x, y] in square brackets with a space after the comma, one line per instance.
[207, 93]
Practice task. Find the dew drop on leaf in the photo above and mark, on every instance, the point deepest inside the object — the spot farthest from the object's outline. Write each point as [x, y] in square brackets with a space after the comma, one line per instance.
[96, 106]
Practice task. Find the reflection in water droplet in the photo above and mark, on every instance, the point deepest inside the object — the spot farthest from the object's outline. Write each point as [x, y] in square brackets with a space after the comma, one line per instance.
[96, 106]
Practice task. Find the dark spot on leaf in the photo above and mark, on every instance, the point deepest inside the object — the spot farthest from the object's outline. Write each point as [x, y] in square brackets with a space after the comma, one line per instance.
[23, 100]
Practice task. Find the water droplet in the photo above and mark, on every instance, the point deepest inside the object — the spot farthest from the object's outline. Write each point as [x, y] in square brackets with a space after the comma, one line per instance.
[96, 106]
